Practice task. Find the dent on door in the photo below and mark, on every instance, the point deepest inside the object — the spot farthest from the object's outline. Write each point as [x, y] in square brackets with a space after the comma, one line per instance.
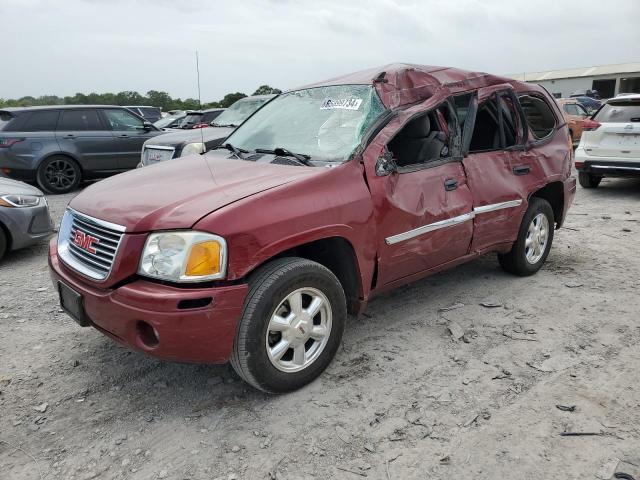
[422, 223]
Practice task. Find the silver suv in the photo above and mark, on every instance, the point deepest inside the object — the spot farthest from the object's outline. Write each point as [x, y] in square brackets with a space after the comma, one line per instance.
[59, 146]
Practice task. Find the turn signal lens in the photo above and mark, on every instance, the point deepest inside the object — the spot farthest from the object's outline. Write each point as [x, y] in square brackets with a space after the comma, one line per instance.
[204, 259]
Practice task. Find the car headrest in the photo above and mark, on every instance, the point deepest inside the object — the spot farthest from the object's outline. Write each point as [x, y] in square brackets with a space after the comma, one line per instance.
[418, 128]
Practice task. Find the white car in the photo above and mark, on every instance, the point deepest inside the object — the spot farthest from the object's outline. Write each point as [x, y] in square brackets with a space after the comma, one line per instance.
[610, 146]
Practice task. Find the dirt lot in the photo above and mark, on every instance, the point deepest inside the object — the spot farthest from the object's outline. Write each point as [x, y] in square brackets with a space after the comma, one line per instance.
[403, 399]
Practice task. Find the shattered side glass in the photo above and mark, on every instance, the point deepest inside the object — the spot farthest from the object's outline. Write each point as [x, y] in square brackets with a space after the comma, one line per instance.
[326, 123]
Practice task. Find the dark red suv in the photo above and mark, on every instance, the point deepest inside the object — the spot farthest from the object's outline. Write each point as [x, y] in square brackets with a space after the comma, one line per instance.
[329, 194]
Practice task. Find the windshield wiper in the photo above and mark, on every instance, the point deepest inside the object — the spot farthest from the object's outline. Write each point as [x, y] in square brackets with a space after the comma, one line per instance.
[283, 152]
[214, 124]
[235, 150]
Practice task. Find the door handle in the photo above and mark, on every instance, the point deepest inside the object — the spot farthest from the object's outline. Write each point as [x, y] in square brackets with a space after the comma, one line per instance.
[123, 135]
[70, 135]
[450, 184]
[522, 169]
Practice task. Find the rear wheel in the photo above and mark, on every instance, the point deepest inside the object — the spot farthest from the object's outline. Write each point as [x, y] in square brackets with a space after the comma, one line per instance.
[532, 246]
[59, 174]
[3, 243]
[587, 180]
[291, 327]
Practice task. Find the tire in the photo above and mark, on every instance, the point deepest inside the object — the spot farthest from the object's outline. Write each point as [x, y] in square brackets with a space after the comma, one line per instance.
[271, 288]
[588, 180]
[3, 243]
[523, 259]
[59, 174]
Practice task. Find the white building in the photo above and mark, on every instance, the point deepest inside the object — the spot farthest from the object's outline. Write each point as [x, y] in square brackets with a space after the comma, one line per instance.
[608, 80]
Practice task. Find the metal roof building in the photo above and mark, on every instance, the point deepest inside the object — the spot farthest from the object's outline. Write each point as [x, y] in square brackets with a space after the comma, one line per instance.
[608, 80]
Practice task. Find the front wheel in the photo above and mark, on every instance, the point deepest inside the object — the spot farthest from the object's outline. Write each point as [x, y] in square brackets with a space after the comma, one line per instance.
[588, 180]
[291, 326]
[535, 237]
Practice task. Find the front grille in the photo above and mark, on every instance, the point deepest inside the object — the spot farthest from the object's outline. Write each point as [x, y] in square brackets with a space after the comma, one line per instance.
[88, 245]
[156, 153]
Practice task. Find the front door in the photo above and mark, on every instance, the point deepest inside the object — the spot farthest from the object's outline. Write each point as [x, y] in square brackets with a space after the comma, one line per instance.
[129, 133]
[423, 206]
[493, 131]
[82, 132]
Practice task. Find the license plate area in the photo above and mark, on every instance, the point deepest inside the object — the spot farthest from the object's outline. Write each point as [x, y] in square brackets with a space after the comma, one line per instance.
[71, 302]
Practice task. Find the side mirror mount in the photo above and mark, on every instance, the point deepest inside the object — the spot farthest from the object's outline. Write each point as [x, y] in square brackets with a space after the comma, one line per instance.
[386, 165]
[147, 126]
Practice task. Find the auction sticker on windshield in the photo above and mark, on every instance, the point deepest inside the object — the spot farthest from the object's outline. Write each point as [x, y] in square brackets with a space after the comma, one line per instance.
[343, 103]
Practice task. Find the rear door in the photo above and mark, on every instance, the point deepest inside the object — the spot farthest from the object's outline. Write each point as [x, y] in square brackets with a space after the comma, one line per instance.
[424, 208]
[491, 134]
[83, 133]
[129, 132]
[619, 132]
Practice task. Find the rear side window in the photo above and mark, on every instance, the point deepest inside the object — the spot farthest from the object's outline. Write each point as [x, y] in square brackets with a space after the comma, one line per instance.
[44, 121]
[209, 117]
[619, 111]
[539, 115]
[5, 118]
[150, 112]
[82, 120]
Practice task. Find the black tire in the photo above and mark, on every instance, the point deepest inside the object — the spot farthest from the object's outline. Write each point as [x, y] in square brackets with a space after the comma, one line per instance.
[516, 261]
[588, 180]
[3, 243]
[269, 286]
[59, 174]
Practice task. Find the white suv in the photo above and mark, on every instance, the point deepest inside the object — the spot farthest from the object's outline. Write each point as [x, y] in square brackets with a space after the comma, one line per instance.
[610, 146]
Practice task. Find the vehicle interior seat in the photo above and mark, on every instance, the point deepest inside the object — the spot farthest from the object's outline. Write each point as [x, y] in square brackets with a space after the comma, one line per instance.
[417, 142]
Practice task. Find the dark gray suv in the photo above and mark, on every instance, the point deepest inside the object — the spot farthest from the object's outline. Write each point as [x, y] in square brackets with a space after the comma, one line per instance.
[59, 146]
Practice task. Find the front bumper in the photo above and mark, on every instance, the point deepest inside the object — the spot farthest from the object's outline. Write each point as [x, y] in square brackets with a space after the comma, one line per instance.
[27, 226]
[128, 313]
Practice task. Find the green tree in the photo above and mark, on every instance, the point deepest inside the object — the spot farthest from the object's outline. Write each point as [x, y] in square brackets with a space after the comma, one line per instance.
[231, 98]
[160, 99]
[266, 90]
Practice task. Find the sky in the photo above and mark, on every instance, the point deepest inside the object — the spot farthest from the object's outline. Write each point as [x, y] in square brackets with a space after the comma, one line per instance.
[67, 46]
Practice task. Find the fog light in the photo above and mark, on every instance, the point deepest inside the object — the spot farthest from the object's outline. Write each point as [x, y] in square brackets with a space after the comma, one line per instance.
[147, 334]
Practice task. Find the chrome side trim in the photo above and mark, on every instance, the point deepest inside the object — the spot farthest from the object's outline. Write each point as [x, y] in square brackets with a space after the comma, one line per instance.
[401, 237]
[614, 168]
[497, 206]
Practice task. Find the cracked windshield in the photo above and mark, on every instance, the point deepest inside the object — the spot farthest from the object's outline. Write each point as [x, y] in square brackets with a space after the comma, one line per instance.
[325, 123]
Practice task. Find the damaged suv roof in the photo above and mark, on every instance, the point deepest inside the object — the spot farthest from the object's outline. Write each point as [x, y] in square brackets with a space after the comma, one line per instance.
[401, 84]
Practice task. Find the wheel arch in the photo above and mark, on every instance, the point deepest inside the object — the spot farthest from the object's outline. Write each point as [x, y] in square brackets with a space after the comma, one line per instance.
[7, 235]
[554, 194]
[338, 255]
[61, 154]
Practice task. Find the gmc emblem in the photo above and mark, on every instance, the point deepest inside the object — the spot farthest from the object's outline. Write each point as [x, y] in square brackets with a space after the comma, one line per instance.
[85, 241]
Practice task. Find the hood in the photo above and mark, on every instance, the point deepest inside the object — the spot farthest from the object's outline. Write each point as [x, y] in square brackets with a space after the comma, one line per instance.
[178, 137]
[14, 187]
[176, 194]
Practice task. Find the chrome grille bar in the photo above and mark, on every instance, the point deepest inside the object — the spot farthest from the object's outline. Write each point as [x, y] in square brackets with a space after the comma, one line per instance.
[89, 245]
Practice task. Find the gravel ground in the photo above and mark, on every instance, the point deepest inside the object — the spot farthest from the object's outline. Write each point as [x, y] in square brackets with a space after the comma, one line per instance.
[403, 399]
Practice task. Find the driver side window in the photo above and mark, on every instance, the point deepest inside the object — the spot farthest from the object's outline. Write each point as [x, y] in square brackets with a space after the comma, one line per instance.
[425, 139]
[121, 120]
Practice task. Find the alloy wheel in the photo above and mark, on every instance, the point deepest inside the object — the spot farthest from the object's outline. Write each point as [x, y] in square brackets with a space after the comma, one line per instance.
[60, 174]
[537, 238]
[298, 330]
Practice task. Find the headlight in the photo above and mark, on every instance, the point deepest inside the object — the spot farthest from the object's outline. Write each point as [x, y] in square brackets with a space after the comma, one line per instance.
[192, 149]
[19, 201]
[184, 256]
